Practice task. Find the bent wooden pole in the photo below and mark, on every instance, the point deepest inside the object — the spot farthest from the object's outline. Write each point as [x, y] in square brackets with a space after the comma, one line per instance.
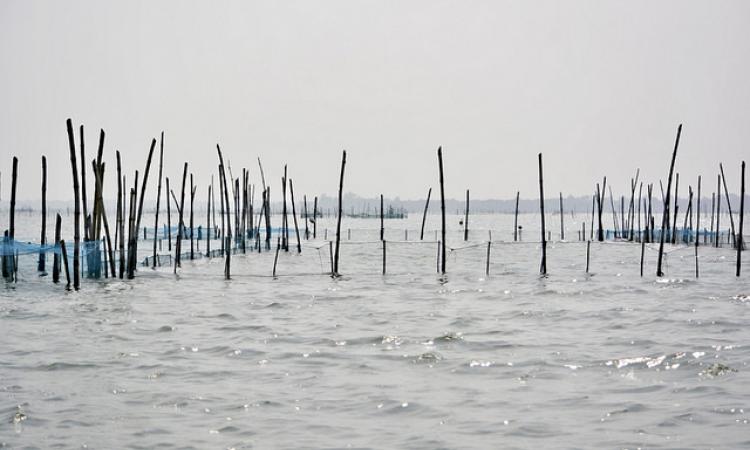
[665, 215]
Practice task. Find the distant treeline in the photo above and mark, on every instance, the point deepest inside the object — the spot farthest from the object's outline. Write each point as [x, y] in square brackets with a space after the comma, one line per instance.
[357, 205]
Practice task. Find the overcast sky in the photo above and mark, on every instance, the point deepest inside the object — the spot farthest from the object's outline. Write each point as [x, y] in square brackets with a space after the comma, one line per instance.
[598, 86]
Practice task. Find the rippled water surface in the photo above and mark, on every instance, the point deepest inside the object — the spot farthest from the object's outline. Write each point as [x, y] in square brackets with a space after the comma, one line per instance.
[406, 360]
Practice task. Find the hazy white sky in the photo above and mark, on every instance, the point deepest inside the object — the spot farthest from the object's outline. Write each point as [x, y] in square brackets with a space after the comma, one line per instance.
[597, 86]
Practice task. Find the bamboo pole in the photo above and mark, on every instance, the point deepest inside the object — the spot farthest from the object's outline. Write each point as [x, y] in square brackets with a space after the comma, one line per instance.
[338, 220]
[543, 266]
[588, 254]
[665, 215]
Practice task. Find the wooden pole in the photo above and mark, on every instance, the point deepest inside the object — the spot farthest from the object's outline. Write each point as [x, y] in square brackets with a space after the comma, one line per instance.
[442, 210]
[86, 231]
[543, 266]
[208, 223]
[382, 222]
[158, 196]
[294, 216]
[56, 257]
[729, 204]
[132, 231]
[600, 208]
[665, 215]
[676, 208]
[228, 232]
[487, 266]
[315, 217]
[180, 221]
[307, 229]
[121, 214]
[284, 220]
[108, 250]
[466, 218]
[424, 215]
[588, 254]
[740, 239]
[643, 252]
[562, 219]
[697, 226]
[143, 190]
[43, 237]
[383, 257]
[713, 209]
[593, 207]
[515, 218]
[340, 212]
[276, 256]
[718, 211]
[77, 213]
[65, 262]
[169, 217]
[192, 218]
